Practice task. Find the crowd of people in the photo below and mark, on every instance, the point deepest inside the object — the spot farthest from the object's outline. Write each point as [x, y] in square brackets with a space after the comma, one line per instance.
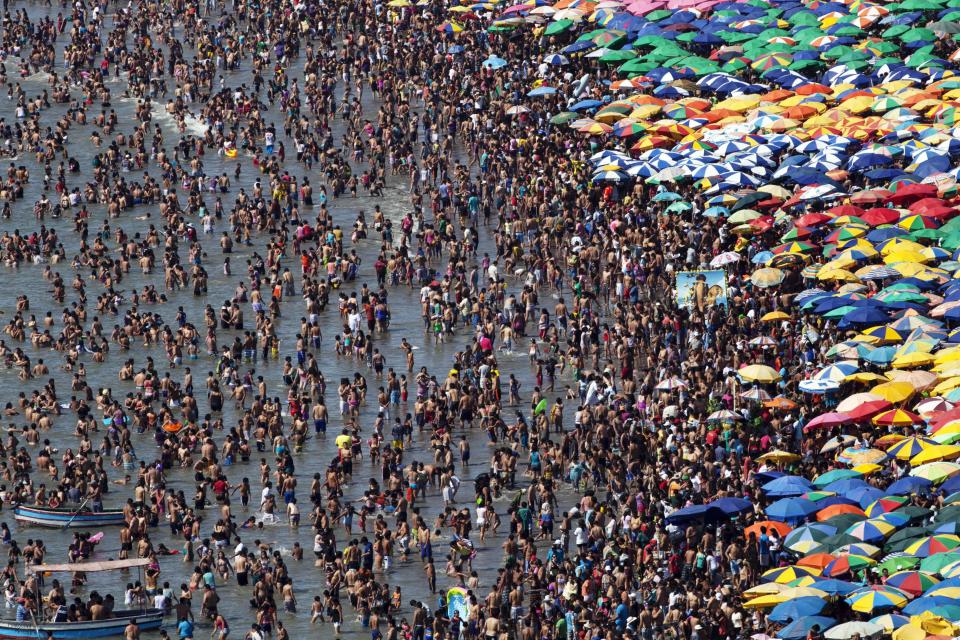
[511, 247]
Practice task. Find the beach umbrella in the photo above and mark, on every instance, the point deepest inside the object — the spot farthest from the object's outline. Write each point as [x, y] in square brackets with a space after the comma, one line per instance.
[818, 386]
[833, 475]
[450, 27]
[791, 510]
[908, 485]
[778, 456]
[950, 571]
[910, 447]
[564, 117]
[944, 27]
[936, 453]
[890, 621]
[897, 418]
[838, 540]
[879, 598]
[695, 513]
[827, 421]
[758, 373]
[780, 403]
[932, 545]
[724, 415]
[783, 575]
[671, 384]
[835, 587]
[816, 561]
[888, 503]
[853, 628]
[936, 471]
[832, 445]
[894, 392]
[494, 62]
[756, 395]
[912, 582]
[932, 406]
[559, 26]
[769, 594]
[837, 372]
[781, 528]
[774, 316]
[936, 605]
[767, 277]
[847, 563]
[871, 530]
[541, 91]
[762, 341]
[732, 506]
[799, 628]
[862, 406]
[897, 562]
[807, 536]
[797, 608]
[938, 561]
[787, 486]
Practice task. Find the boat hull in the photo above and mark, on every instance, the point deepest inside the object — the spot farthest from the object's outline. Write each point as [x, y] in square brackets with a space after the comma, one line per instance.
[33, 516]
[146, 620]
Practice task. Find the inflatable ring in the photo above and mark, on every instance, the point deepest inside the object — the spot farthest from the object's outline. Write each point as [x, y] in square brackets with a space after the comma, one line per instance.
[173, 427]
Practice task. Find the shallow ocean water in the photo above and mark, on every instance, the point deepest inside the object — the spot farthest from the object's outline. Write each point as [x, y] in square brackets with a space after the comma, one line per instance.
[406, 322]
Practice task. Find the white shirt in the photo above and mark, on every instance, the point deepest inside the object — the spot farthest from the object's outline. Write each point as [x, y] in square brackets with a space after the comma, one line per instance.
[580, 535]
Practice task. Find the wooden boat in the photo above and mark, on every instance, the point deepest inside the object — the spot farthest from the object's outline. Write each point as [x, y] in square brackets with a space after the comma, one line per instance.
[63, 517]
[146, 619]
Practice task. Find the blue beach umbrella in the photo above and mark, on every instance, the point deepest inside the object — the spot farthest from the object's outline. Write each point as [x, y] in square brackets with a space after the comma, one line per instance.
[797, 608]
[800, 627]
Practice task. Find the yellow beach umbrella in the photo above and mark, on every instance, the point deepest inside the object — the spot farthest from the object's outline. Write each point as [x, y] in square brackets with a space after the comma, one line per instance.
[774, 316]
[899, 244]
[778, 456]
[894, 392]
[866, 468]
[949, 354]
[915, 359]
[837, 275]
[866, 377]
[932, 623]
[739, 104]
[764, 589]
[759, 373]
[909, 632]
[947, 385]
[936, 453]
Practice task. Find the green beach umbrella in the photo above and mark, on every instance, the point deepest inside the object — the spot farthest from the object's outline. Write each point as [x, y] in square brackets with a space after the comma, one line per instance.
[560, 26]
[564, 117]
